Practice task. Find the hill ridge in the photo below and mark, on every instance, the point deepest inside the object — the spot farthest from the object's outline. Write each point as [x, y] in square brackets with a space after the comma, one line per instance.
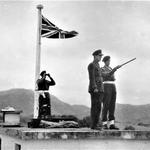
[24, 98]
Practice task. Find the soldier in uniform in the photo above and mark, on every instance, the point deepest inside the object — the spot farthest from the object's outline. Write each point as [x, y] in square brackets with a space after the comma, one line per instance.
[96, 88]
[109, 99]
[44, 96]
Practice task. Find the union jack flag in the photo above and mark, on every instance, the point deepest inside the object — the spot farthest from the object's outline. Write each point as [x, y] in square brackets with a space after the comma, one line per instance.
[49, 30]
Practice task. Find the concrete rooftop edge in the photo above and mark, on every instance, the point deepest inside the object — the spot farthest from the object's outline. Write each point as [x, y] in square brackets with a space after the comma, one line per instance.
[73, 134]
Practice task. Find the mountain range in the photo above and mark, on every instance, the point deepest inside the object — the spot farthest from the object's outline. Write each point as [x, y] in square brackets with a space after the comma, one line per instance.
[23, 99]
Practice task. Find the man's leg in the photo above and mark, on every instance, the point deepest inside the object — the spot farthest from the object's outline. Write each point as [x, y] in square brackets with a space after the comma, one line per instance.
[48, 101]
[106, 103]
[112, 109]
[98, 105]
[41, 112]
[95, 108]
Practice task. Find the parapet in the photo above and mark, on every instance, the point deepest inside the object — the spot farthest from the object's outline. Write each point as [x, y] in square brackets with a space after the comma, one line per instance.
[24, 133]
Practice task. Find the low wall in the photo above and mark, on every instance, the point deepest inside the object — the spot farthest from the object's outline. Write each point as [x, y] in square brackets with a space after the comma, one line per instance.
[73, 139]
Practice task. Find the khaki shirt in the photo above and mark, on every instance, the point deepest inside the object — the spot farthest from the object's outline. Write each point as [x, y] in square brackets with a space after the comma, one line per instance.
[108, 73]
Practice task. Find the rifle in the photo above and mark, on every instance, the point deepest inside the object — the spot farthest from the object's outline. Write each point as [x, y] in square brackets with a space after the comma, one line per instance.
[126, 62]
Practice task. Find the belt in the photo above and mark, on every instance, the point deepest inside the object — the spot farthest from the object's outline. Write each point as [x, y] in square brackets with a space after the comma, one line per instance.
[42, 92]
[109, 82]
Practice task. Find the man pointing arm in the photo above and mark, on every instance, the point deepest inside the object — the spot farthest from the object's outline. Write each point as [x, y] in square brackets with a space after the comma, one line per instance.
[109, 99]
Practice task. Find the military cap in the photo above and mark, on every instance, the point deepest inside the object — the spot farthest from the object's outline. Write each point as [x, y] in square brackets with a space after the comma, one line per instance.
[97, 52]
[42, 73]
[106, 58]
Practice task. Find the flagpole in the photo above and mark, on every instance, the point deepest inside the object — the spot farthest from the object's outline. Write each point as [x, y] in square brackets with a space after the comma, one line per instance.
[38, 57]
[38, 46]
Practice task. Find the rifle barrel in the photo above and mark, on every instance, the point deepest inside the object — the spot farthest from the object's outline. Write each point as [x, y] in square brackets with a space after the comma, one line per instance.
[128, 62]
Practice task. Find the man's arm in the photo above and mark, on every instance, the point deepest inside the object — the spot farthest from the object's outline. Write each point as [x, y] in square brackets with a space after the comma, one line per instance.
[108, 74]
[91, 70]
[52, 82]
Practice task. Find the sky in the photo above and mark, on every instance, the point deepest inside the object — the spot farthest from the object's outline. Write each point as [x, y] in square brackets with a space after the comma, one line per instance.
[121, 29]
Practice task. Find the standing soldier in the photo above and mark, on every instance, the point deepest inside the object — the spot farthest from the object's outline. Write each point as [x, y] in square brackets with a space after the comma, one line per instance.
[96, 88]
[109, 99]
[44, 96]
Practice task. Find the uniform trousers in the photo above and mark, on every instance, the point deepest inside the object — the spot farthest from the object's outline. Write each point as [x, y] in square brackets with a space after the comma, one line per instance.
[109, 102]
[96, 100]
[44, 106]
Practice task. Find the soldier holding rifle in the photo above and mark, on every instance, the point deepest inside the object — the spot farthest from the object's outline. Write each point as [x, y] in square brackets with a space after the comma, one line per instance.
[109, 99]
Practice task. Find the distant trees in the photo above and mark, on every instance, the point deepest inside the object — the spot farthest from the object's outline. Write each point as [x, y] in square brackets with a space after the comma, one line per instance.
[129, 128]
[143, 124]
[85, 122]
